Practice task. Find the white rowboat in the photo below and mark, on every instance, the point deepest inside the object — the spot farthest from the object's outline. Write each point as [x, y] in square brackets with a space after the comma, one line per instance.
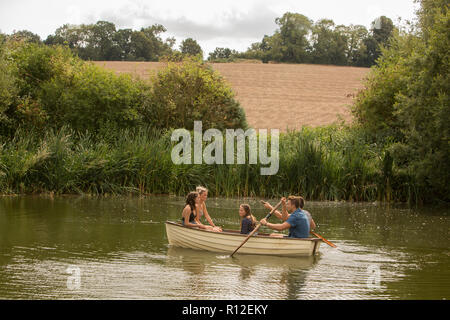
[228, 240]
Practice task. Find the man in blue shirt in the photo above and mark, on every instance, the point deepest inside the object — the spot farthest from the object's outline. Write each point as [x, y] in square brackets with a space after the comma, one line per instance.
[297, 222]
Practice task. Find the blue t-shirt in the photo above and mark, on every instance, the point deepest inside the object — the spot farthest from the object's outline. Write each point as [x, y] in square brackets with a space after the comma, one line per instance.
[299, 224]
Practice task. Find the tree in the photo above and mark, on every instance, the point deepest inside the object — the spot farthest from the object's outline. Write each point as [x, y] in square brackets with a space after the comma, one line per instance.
[407, 101]
[189, 91]
[26, 36]
[329, 44]
[355, 35]
[190, 47]
[222, 54]
[380, 33]
[8, 88]
[292, 35]
[154, 42]
[122, 45]
[43, 87]
[101, 41]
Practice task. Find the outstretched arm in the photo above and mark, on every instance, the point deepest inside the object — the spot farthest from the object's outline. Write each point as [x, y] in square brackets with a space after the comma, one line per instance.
[276, 213]
[278, 227]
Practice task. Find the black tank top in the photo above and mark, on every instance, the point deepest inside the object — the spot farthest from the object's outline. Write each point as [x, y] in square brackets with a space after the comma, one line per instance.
[191, 217]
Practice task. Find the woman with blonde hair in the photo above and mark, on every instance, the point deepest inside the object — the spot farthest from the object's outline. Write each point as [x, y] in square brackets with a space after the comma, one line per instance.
[201, 207]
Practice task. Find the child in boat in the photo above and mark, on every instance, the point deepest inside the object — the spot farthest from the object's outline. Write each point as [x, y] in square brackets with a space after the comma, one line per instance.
[248, 221]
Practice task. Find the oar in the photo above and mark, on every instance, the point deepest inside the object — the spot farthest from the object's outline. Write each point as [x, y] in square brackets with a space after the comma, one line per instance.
[256, 229]
[324, 240]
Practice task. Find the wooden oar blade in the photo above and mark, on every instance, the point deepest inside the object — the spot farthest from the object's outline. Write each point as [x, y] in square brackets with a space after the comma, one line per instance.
[324, 240]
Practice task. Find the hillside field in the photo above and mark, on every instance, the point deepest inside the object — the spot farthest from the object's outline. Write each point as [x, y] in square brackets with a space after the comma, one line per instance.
[279, 96]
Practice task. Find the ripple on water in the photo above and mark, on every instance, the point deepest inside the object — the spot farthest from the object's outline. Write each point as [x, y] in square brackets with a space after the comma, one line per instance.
[123, 254]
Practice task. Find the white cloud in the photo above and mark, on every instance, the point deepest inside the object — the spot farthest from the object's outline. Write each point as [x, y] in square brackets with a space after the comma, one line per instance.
[232, 23]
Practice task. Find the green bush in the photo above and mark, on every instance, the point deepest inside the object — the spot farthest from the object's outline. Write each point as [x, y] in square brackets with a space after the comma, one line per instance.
[46, 87]
[56, 89]
[407, 101]
[8, 89]
[189, 91]
[90, 98]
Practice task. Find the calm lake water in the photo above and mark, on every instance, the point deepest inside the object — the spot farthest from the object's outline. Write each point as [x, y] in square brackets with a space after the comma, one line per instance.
[120, 249]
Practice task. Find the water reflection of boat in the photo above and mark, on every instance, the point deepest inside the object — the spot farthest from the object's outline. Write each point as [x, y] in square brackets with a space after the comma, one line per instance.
[197, 257]
[228, 240]
[190, 262]
[289, 269]
[275, 261]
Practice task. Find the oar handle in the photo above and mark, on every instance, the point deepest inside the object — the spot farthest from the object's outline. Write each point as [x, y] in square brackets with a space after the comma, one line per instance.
[273, 210]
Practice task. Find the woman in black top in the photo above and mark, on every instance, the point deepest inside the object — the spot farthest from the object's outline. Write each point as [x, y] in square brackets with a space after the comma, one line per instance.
[190, 216]
[248, 221]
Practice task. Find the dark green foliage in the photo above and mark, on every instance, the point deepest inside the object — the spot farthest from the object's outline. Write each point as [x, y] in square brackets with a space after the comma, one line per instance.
[292, 37]
[222, 55]
[101, 41]
[46, 87]
[382, 30]
[321, 164]
[54, 88]
[329, 44]
[300, 40]
[183, 93]
[407, 100]
[25, 36]
[190, 47]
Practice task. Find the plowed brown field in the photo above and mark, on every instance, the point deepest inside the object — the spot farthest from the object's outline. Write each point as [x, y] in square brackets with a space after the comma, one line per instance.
[280, 95]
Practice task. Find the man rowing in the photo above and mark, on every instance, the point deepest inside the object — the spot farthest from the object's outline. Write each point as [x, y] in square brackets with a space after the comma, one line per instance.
[299, 222]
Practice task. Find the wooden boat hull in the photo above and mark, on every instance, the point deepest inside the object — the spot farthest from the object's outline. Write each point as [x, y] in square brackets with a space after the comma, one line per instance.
[228, 240]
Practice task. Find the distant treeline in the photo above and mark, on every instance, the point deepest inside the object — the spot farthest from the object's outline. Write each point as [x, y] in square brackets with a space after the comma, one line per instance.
[300, 40]
[297, 39]
[102, 41]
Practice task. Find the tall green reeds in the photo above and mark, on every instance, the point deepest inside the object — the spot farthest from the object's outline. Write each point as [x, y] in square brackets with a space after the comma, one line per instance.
[320, 164]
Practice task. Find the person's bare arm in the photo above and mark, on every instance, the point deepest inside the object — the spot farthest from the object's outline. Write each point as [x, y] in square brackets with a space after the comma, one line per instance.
[312, 224]
[208, 218]
[278, 227]
[269, 207]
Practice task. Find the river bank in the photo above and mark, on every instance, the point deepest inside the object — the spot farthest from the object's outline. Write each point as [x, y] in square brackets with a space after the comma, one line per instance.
[325, 164]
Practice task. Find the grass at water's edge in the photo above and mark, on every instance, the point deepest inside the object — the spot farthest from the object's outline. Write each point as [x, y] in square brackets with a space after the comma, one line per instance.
[320, 164]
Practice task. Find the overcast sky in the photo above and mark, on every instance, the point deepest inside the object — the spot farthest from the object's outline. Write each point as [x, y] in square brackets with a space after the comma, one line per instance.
[228, 23]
